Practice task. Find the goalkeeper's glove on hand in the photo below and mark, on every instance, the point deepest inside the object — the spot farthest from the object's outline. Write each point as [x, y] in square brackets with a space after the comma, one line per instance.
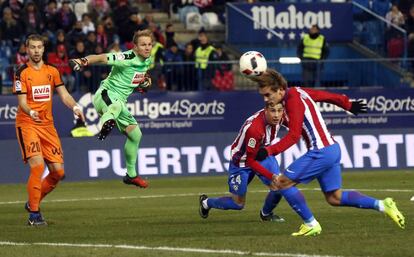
[77, 64]
[261, 154]
[358, 106]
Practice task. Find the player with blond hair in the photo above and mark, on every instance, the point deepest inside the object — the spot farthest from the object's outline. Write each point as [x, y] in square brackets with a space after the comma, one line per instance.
[129, 73]
[34, 84]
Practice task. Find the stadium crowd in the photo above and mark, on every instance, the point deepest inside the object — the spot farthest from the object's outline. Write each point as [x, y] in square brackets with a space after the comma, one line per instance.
[77, 28]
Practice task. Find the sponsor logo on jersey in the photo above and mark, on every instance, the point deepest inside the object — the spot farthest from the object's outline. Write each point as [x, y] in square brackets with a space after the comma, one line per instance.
[18, 85]
[138, 78]
[252, 143]
[41, 93]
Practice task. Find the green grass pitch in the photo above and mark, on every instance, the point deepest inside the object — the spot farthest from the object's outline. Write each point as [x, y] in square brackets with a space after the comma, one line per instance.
[107, 218]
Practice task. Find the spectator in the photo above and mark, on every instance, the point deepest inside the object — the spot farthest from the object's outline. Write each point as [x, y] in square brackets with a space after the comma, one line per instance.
[115, 48]
[75, 34]
[395, 16]
[21, 55]
[61, 40]
[169, 35]
[102, 38]
[410, 32]
[31, 19]
[59, 58]
[83, 78]
[110, 29]
[11, 30]
[395, 41]
[65, 17]
[172, 72]
[15, 6]
[98, 9]
[121, 13]
[312, 49]
[87, 24]
[157, 56]
[223, 79]
[91, 43]
[50, 16]
[129, 27]
[189, 77]
[203, 54]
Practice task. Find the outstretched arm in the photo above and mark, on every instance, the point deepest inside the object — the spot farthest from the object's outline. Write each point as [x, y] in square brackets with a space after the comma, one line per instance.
[77, 64]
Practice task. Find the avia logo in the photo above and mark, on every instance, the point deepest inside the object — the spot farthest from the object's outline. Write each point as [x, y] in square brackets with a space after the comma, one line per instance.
[41, 93]
[91, 115]
[289, 19]
[138, 78]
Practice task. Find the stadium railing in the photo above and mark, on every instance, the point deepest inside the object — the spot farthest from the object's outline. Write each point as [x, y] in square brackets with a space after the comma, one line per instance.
[225, 75]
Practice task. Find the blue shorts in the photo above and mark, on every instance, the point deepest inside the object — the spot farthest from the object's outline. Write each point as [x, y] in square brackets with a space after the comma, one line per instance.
[240, 178]
[322, 164]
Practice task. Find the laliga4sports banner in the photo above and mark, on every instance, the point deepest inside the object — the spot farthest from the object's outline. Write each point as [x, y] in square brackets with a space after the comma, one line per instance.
[249, 23]
[217, 112]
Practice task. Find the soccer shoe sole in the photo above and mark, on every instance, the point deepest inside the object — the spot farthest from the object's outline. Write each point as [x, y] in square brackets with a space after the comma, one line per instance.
[201, 210]
[106, 129]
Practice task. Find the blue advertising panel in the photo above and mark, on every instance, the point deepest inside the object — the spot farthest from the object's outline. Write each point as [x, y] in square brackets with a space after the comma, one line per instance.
[247, 23]
[205, 112]
[204, 154]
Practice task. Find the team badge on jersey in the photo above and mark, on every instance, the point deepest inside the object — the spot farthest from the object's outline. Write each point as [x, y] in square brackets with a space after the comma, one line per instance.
[120, 56]
[138, 78]
[41, 93]
[18, 85]
[252, 143]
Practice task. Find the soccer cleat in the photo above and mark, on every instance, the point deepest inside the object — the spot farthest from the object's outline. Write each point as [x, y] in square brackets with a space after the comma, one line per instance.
[271, 217]
[36, 219]
[201, 210]
[106, 129]
[137, 181]
[390, 209]
[306, 230]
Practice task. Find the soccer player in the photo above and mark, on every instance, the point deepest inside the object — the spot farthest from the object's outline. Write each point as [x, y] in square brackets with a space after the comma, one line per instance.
[129, 72]
[34, 83]
[258, 130]
[322, 161]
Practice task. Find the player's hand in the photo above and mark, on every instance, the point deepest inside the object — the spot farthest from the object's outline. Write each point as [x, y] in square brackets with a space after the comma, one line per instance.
[358, 106]
[145, 85]
[77, 64]
[79, 113]
[261, 154]
[34, 115]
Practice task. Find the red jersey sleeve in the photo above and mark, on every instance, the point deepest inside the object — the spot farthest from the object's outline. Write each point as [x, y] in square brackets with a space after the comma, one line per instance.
[295, 110]
[253, 143]
[328, 97]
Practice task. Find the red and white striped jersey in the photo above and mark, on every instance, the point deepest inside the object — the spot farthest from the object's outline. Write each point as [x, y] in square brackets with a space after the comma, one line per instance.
[254, 133]
[304, 118]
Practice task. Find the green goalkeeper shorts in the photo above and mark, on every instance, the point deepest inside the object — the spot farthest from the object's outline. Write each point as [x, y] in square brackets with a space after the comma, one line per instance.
[104, 98]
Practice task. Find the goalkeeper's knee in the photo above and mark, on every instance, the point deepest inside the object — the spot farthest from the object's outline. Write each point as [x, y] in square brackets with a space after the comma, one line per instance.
[114, 109]
[135, 135]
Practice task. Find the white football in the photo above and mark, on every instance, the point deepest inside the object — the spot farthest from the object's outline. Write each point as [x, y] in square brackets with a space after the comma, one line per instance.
[252, 63]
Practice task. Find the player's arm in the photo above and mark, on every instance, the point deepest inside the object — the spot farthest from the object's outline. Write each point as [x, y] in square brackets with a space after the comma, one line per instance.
[253, 144]
[339, 100]
[22, 100]
[77, 64]
[68, 100]
[296, 112]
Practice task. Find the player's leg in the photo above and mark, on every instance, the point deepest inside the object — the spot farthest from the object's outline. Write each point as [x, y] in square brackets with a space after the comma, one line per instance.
[330, 182]
[133, 134]
[53, 154]
[31, 149]
[109, 108]
[238, 181]
[273, 197]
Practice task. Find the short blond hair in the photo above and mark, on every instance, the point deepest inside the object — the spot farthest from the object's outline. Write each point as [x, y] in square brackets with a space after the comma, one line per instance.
[34, 37]
[143, 33]
[271, 78]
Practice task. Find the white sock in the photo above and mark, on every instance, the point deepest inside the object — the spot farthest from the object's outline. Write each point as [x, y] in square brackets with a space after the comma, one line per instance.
[312, 223]
[381, 205]
[204, 203]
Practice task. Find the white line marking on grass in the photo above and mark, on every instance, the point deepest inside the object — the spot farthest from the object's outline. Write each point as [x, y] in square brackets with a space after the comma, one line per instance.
[191, 195]
[163, 248]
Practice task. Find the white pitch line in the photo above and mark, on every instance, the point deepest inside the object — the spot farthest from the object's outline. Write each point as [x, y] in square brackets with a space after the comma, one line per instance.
[164, 248]
[191, 195]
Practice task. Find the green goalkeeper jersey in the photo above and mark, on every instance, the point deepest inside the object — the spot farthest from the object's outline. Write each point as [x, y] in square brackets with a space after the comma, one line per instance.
[127, 73]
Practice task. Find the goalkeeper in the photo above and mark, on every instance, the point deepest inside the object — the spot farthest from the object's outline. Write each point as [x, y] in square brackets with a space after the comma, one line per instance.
[129, 73]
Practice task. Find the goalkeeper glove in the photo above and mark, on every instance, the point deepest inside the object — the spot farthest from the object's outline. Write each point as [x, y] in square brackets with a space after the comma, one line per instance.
[261, 154]
[77, 64]
[358, 106]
